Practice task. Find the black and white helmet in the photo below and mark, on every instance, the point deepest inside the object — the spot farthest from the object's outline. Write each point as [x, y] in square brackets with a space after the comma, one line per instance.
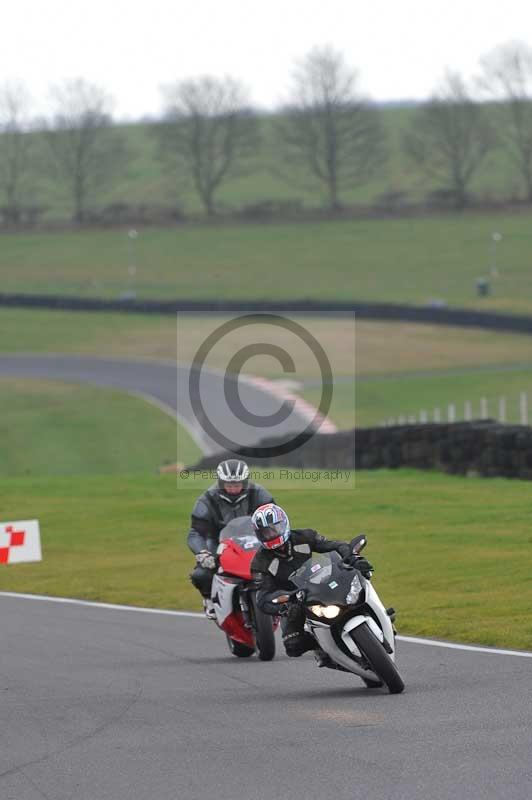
[232, 471]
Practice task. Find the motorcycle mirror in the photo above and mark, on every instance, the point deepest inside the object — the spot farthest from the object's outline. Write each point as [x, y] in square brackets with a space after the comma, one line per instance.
[358, 543]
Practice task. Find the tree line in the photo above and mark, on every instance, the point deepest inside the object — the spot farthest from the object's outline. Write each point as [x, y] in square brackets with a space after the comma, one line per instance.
[327, 134]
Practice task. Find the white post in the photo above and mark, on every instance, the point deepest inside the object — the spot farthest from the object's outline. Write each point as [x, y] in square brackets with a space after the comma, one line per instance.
[502, 409]
[423, 416]
[451, 412]
[483, 408]
[437, 415]
[401, 419]
[132, 267]
[468, 411]
[523, 402]
[412, 419]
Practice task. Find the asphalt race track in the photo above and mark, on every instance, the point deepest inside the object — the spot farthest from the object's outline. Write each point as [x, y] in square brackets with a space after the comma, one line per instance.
[108, 704]
[166, 384]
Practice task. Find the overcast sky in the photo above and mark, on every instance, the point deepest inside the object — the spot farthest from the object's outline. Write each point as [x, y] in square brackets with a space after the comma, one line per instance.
[132, 48]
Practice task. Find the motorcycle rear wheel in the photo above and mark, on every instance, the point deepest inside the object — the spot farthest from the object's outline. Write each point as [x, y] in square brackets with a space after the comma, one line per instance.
[379, 659]
[238, 649]
[263, 629]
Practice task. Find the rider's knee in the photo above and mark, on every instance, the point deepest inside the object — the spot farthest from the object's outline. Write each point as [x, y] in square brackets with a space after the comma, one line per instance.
[201, 578]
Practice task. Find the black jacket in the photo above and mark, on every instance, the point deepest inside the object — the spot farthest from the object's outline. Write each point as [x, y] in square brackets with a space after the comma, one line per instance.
[212, 512]
[272, 568]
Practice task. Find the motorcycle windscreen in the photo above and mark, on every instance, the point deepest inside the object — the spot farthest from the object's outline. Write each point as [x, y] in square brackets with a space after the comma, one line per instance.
[323, 580]
[239, 527]
[241, 531]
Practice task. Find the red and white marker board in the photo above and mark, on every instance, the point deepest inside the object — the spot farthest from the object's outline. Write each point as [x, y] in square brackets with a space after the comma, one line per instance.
[20, 542]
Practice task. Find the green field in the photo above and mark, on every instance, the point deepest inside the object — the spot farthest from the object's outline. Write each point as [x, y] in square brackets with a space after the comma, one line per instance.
[53, 428]
[452, 555]
[143, 336]
[399, 260]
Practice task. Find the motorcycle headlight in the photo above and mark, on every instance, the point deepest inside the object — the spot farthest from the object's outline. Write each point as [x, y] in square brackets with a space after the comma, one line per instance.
[355, 589]
[325, 611]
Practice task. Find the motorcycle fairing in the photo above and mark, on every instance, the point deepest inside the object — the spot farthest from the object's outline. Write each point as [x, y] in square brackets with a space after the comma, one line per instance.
[229, 620]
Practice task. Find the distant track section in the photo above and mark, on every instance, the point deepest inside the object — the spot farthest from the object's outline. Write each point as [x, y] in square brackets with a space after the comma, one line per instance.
[167, 385]
[458, 317]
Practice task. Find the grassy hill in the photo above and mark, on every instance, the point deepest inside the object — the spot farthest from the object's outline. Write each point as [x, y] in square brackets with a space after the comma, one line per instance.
[147, 181]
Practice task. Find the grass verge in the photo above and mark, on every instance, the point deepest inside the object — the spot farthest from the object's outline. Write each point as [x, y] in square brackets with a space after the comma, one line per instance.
[54, 428]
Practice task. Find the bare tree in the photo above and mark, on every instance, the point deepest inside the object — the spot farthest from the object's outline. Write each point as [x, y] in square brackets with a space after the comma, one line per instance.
[507, 77]
[209, 133]
[88, 151]
[15, 144]
[449, 137]
[327, 128]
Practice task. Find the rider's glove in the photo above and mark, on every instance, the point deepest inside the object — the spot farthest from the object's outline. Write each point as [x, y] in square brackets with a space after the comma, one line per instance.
[206, 560]
[360, 563]
[295, 612]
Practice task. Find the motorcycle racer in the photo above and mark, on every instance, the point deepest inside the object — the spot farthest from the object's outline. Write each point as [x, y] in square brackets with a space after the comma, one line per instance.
[233, 495]
[283, 550]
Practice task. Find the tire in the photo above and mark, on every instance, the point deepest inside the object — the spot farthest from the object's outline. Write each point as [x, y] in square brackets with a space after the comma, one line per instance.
[238, 649]
[379, 659]
[263, 629]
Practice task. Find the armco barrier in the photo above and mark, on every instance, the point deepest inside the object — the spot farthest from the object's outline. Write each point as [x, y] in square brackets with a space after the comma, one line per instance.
[484, 448]
[460, 317]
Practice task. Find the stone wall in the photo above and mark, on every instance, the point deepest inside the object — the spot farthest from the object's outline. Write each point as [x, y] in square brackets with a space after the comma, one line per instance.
[485, 448]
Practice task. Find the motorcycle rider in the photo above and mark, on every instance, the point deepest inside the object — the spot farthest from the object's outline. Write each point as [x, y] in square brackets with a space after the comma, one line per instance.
[283, 551]
[233, 495]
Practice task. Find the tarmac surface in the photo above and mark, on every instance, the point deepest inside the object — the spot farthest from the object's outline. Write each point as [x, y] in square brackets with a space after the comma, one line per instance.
[167, 385]
[103, 703]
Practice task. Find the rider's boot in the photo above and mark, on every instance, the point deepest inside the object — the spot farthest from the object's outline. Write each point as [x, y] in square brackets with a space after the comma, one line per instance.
[322, 659]
[208, 608]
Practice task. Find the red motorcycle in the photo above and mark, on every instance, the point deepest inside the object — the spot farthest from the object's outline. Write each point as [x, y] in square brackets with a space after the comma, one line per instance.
[234, 594]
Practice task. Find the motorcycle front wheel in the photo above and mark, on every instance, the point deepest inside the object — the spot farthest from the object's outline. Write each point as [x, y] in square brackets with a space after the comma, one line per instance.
[379, 660]
[238, 649]
[263, 629]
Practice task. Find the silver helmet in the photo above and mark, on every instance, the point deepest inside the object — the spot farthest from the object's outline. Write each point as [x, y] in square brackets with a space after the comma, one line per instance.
[232, 471]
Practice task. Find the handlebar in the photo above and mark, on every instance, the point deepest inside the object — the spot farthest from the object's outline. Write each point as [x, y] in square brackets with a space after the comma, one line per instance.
[298, 594]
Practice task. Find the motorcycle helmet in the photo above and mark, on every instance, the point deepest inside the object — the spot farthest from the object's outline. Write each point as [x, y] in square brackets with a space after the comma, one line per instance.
[230, 474]
[271, 525]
